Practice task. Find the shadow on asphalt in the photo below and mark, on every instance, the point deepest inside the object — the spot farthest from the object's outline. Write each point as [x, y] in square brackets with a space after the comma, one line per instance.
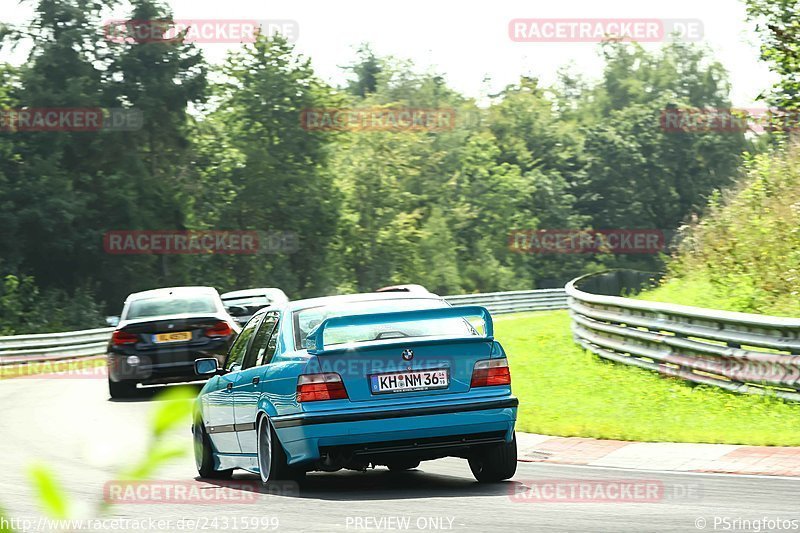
[377, 484]
[148, 394]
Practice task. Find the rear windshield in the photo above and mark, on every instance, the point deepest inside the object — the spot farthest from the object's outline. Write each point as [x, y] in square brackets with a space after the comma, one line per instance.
[305, 320]
[170, 305]
[247, 301]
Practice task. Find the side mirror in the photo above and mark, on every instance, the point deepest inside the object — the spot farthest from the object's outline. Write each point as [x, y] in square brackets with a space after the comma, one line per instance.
[236, 310]
[112, 321]
[207, 366]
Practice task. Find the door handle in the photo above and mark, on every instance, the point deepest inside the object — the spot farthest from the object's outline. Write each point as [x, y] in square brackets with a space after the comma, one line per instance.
[256, 380]
[229, 386]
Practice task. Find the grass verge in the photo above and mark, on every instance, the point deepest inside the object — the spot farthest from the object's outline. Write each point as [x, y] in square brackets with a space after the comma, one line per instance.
[565, 391]
[698, 291]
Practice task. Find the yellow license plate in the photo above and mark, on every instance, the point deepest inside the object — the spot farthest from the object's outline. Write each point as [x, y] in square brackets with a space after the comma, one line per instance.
[175, 336]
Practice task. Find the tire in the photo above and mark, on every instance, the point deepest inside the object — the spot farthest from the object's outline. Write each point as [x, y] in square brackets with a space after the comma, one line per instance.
[272, 465]
[495, 463]
[121, 389]
[399, 466]
[204, 455]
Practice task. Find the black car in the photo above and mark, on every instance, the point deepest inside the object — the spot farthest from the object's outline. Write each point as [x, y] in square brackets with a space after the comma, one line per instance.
[162, 332]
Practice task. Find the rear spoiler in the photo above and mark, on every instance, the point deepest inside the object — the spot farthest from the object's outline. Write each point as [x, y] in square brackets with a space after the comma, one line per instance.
[465, 311]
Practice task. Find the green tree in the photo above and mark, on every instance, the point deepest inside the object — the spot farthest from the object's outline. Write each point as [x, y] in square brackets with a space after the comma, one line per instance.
[639, 174]
[546, 151]
[366, 70]
[269, 169]
[778, 23]
[52, 173]
[380, 224]
[67, 188]
[145, 181]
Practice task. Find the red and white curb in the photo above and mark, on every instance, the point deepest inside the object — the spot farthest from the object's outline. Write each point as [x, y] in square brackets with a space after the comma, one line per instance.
[671, 456]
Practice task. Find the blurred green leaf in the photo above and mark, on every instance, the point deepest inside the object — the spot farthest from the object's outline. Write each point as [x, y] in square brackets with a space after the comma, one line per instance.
[52, 497]
[174, 409]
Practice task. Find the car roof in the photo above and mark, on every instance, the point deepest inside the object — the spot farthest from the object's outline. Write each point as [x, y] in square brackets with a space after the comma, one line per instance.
[406, 287]
[166, 291]
[360, 297]
[251, 292]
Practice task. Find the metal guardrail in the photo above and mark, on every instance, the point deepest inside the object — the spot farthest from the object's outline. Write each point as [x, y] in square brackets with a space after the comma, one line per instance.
[18, 349]
[22, 349]
[740, 352]
[514, 301]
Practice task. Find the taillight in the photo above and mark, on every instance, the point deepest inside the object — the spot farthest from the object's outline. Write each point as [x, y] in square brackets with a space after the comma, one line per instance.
[317, 387]
[220, 329]
[123, 337]
[491, 372]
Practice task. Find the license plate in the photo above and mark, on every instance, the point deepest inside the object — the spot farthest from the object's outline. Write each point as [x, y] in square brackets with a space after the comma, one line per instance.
[409, 381]
[175, 336]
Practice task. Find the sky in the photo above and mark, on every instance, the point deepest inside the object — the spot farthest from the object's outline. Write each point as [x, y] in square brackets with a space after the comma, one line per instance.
[467, 41]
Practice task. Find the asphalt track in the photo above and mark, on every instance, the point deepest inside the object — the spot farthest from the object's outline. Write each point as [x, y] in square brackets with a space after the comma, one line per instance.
[72, 426]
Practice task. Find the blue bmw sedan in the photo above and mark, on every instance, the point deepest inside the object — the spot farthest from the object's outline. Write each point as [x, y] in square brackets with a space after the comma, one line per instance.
[380, 379]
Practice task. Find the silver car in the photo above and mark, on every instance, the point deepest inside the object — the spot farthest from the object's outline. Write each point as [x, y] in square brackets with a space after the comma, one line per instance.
[242, 305]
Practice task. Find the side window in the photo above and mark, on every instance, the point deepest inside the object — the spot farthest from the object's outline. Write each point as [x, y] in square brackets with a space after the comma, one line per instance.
[266, 356]
[239, 348]
[260, 344]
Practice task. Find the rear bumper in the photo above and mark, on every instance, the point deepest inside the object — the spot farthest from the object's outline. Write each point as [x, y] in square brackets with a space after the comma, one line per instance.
[162, 367]
[419, 449]
[307, 437]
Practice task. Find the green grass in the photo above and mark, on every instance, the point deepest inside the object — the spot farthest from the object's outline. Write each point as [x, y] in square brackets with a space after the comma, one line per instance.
[565, 391]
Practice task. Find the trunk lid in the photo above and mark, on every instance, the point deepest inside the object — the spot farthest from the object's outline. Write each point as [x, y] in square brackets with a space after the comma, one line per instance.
[406, 363]
[184, 330]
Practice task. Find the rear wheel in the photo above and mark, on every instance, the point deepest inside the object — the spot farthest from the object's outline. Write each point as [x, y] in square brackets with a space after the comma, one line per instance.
[272, 465]
[204, 456]
[121, 389]
[495, 463]
[399, 466]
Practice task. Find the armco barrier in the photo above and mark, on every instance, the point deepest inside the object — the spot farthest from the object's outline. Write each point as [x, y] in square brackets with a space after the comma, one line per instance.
[17, 349]
[21, 349]
[514, 301]
[740, 352]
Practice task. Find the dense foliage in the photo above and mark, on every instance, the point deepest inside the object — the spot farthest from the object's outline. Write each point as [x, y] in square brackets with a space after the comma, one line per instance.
[223, 147]
[745, 254]
[778, 22]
